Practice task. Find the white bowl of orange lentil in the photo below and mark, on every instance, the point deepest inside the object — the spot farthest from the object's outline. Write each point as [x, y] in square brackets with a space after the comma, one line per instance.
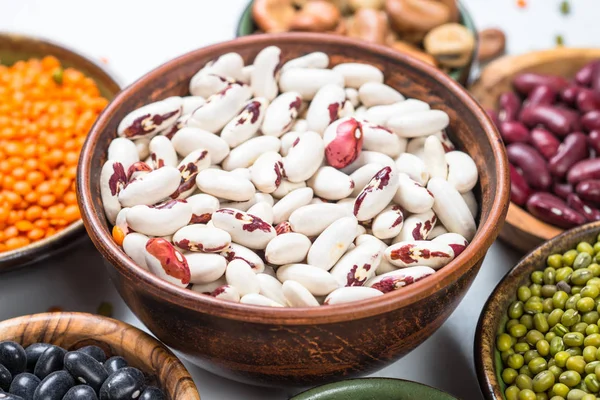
[49, 98]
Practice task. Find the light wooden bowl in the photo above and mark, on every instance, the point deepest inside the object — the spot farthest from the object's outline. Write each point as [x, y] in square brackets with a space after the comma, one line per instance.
[522, 230]
[75, 330]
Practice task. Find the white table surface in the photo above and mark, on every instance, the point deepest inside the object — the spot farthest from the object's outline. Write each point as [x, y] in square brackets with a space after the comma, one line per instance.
[135, 36]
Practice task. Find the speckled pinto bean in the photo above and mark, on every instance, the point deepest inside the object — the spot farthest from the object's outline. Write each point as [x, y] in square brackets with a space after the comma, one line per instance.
[544, 142]
[414, 167]
[165, 261]
[317, 59]
[362, 176]
[239, 274]
[417, 227]
[325, 107]
[451, 209]
[151, 118]
[313, 219]
[388, 223]
[377, 194]
[220, 108]
[287, 248]
[161, 219]
[419, 252]
[379, 138]
[532, 164]
[412, 196]
[357, 74]
[136, 170]
[112, 181]
[162, 152]
[227, 293]
[343, 142]
[291, 202]
[584, 170]
[369, 157]
[134, 245]
[304, 158]
[203, 205]
[541, 94]
[331, 184]
[189, 167]
[378, 94]
[308, 81]
[248, 152]
[560, 121]
[519, 189]
[124, 151]
[509, 106]
[590, 213]
[205, 267]
[419, 123]
[454, 240]
[263, 78]
[245, 229]
[350, 294]
[462, 171]
[318, 281]
[589, 190]
[237, 251]
[281, 114]
[573, 149]
[513, 132]
[267, 172]
[245, 125]
[381, 114]
[198, 237]
[526, 82]
[189, 139]
[332, 243]
[150, 188]
[398, 279]
[358, 265]
[225, 185]
[216, 75]
[553, 210]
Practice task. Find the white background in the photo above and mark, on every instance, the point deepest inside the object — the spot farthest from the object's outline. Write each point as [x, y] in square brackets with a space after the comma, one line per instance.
[135, 36]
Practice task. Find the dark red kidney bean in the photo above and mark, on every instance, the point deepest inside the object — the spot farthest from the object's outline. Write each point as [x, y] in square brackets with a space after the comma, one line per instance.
[591, 120]
[589, 190]
[553, 210]
[525, 83]
[513, 132]
[584, 170]
[569, 94]
[558, 120]
[493, 116]
[544, 142]
[590, 213]
[519, 189]
[588, 100]
[509, 106]
[573, 149]
[542, 94]
[595, 79]
[533, 165]
[562, 190]
[594, 141]
[583, 77]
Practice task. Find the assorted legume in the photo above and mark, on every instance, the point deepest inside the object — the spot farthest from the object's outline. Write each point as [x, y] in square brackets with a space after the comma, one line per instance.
[549, 347]
[45, 114]
[550, 126]
[288, 198]
[44, 371]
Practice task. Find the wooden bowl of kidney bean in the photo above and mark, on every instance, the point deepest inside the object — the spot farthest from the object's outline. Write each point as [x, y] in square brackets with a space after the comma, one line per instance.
[110, 357]
[546, 109]
[257, 340]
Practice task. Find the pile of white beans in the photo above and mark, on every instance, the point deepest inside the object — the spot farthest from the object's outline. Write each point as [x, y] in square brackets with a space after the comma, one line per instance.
[296, 186]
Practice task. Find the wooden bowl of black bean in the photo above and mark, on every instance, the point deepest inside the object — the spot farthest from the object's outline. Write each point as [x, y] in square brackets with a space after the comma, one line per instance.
[79, 356]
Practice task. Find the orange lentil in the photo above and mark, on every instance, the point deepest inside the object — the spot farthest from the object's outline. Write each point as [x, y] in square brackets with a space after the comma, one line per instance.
[43, 124]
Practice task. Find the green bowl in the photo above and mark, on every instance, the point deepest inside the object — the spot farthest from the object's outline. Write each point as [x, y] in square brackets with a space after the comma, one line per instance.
[374, 389]
[246, 26]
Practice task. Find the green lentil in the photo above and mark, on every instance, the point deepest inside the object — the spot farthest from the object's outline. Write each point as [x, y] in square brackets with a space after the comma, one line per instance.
[559, 299]
[589, 396]
[574, 351]
[559, 389]
[568, 258]
[524, 293]
[590, 318]
[586, 304]
[537, 365]
[575, 394]
[573, 339]
[540, 322]
[515, 310]
[594, 267]
[549, 276]
[560, 330]
[569, 378]
[583, 260]
[553, 318]
[556, 370]
[575, 289]
[569, 318]
[527, 394]
[536, 289]
[524, 370]
[549, 336]
[576, 363]
[592, 383]
[526, 320]
[585, 247]
[580, 276]
[530, 355]
[512, 393]
[543, 347]
[571, 303]
[554, 261]
[589, 353]
[590, 291]
[564, 274]
[590, 367]
[561, 358]
[543, 381]
[505, 354]
[547, 305]
[521, 347]
[579, 327]
[509, 375]
[592, 340]
[534, 336]
[538, 276]
[556, 345]
[518, 330]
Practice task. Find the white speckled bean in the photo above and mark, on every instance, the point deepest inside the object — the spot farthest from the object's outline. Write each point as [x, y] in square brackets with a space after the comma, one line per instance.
[379, 138]
[304, 158]
[121, 221]
[325, 107]
[291, 202]
[245, 124]
[162, 152]
[347, 110]
[263, 76]
[352, 96]
[247, 74]
[246, 153]
[388, 223]
[332, 243]
[189, 139]
[318, 281]
[204, 82]
[378, 94]
[245, 229]
[239, 274]
[267, 172]
[166, 262]
[287, 141]
[203, 205]
[417, 124]
[150, 188]
[377, 194]
[454, 240]
[254, 299]
[347, 203]
[141, 146]
[199, 237]
[245, 205]
[369, 157]
[134, 245]
[331, 184]
[189, 167]
[380, 115]
[205, 267]
[159, 220]
[451, 208]
[112, 181]
[191, 103]
[288, 248]
[419, 252]
[417, 227]
[412, 196]
[281, 114]
[237, 251]
[414, 167]
[358, 265]
[227, 293]
[124, 151]
[308, 81]
[299, 126]
[297, 295]
[242, 172]
[263, 211]
[208, 288]
[435, 158]
[271, 288]
[312, 219]
[399, 278]
[462, 171]
[362, 176]
[437, 230]
[317, 59]
[350, 294]
[469, 198]
[357, 74]
[225, 185]
[150, 119]
[220, 108]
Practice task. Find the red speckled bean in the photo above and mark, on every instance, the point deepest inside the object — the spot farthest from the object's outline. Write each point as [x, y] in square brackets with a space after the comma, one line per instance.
[542, 94]
[573, 149]
[514, 132]
[590, 213]
[544, 142]
[584, 170]
[591, 120]
[554, 210]
[519, 189]
[583, 77]
[594, 141]
[588, 100]
[589, 190]
[558, 120]
[531, 163]
[509, 106]
[562, 190]
[569, 94]
[525, 83]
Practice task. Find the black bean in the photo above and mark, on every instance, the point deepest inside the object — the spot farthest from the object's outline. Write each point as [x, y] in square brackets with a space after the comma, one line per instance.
[94, 351]
[5, 378]
[12, 356]
[33, 353]
[152, 393]
[50, 361]
[85, 369]
[114, 364]
[54, 386]
[81, 392]
[123, 385]
[24, 385]
[8, 396]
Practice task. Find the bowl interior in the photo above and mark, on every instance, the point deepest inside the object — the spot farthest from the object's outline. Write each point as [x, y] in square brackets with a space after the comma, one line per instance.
[247, 26]
[470, 129]
[493, 316]
[13, 48]
[373, 388]
[75, 330]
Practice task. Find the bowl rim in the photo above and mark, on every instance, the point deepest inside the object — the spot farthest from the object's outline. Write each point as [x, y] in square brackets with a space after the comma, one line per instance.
[483, 345]
[486, 233]
[74, 232]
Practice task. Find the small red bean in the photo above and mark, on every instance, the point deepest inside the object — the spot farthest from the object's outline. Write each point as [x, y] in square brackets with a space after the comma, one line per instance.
[590, 213]
[544, 142]
[562, 190]
[588, 100]
[553, 210]
[514, 132]
[519, 189]
[594, 141]
[533, 165]
[584, 170]
[558, 120]
[569, 94]
[591, 120]
[509, 106]
[583, 77]
[589, 190]
[573, 149]
[542, 94]
[525, 83]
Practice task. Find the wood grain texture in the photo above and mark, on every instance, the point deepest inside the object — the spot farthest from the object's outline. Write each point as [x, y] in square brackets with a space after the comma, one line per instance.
[290, 346]
[522, 230]
[19, 47]
[75, 330]
[493, 316]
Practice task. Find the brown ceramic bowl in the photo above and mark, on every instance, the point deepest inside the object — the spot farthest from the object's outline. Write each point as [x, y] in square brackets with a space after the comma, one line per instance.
[522, 230]
[287, 346]
[75, 330]
[493, 316]
[13, 48]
